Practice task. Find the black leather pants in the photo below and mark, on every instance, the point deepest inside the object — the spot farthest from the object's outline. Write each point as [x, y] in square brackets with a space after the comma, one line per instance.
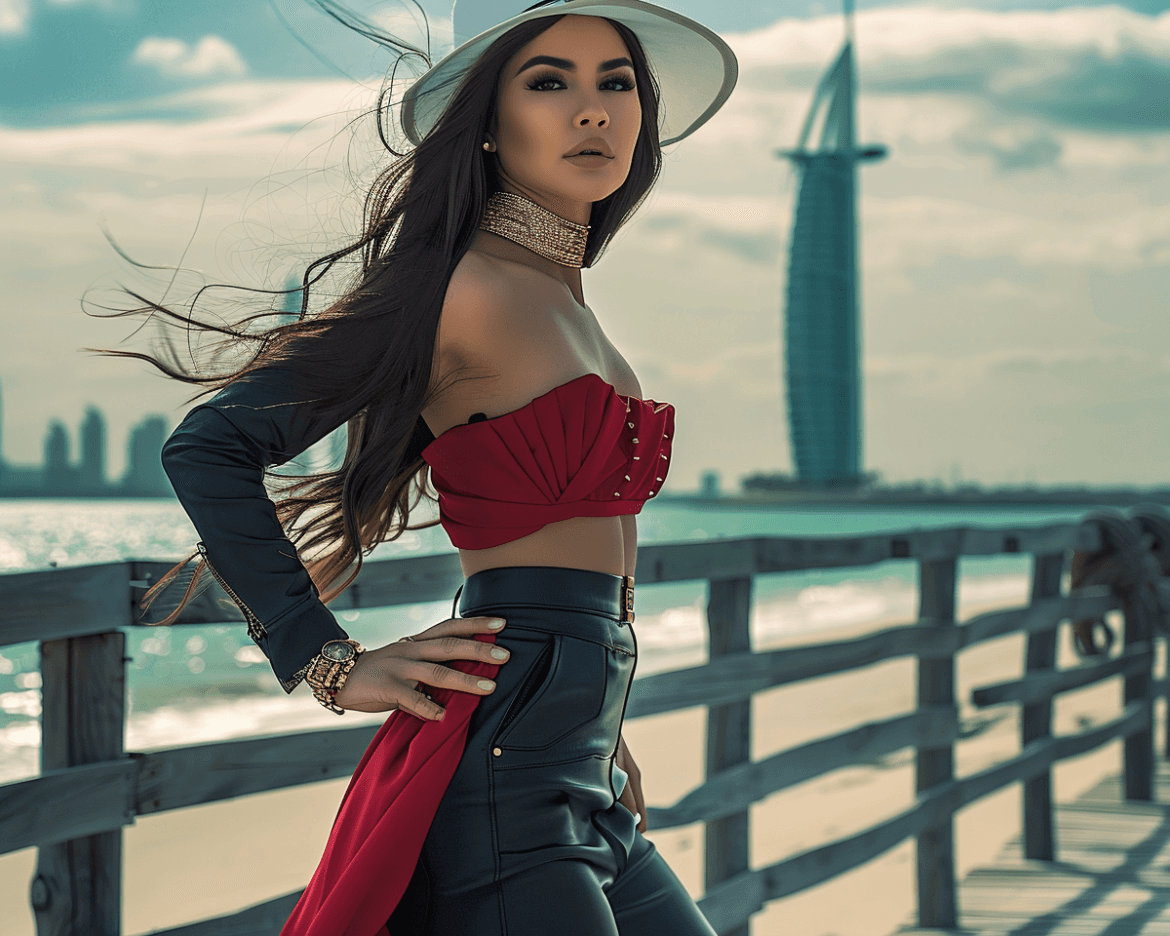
[529, 839]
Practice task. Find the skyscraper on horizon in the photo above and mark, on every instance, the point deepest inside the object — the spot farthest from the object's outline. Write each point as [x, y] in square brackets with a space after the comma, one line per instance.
[93, 450]
[145, 476]
[822, 335]
[58, 473]
[290, 303]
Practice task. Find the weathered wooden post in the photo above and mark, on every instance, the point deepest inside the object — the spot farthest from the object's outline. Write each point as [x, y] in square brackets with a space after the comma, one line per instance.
[1157, 636]
[1036, 720]
[1138, 768]
[77, 887]
[937, 906]
[729, 729]
[1153, 520]
[1160, 631]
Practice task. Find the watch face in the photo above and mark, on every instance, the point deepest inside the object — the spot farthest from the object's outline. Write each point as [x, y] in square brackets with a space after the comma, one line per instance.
[337, 650]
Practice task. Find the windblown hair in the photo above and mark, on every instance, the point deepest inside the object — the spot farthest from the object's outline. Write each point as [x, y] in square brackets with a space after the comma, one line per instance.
[366, 360]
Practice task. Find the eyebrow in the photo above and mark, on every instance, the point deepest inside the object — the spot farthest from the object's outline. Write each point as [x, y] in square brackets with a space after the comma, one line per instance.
[568, 65]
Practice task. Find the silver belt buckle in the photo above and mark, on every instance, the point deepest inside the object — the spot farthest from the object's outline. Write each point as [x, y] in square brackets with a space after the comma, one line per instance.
[627, 609]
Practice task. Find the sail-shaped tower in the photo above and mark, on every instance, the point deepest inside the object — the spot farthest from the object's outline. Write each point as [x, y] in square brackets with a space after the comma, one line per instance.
[822, 336]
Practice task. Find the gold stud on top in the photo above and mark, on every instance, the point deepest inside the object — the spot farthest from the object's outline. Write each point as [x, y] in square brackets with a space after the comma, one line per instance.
[657, 479]
[635, 441]
[631, 425]
[617, 494]
[637, 458]
[627, 477]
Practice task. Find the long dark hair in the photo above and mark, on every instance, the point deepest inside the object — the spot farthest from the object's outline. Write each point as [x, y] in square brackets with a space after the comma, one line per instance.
[367, 358]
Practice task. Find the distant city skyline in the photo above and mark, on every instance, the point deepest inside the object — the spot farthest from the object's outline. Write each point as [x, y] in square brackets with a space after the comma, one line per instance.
[60, 475]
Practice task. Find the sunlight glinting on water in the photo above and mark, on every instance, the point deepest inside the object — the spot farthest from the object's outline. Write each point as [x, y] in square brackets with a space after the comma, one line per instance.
[208, 683]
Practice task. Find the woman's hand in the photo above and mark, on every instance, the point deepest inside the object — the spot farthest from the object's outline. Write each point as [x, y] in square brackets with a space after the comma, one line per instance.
[631, 796]
[388, 678]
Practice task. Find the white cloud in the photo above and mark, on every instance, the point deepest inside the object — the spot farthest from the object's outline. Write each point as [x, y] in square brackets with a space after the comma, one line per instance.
[915, 230]
[13, 17]
[963, 372]
[105, 4]
[1101, 66]
[933, 35]
[233, 131]
[211, 57]
[16, 14]
[408, 24]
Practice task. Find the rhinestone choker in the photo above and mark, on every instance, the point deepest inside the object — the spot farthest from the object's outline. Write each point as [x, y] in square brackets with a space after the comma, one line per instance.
[526, 223]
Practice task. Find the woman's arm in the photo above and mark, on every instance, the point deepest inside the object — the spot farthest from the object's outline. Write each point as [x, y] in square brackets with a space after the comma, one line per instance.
[215, 460]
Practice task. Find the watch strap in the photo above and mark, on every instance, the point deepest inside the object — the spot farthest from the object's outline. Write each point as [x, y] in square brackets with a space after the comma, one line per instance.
[326, 677]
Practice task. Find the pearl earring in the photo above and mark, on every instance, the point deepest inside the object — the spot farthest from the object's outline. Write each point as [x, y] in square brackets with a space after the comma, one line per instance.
[487, 146]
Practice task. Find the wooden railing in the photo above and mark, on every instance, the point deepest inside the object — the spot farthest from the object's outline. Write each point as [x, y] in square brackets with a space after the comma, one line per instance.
[89, 788]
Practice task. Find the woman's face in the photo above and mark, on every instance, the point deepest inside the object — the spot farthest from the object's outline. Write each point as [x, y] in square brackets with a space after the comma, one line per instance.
[571, 85]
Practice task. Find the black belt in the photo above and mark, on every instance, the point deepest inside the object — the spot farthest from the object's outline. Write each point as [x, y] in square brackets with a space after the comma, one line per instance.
[549, 587]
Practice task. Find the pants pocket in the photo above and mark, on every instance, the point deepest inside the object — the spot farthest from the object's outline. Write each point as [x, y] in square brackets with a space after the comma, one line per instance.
[533, 682]
[567, 692]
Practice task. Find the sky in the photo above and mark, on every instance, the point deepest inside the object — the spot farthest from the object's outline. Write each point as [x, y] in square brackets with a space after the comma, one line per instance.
[1015, 244]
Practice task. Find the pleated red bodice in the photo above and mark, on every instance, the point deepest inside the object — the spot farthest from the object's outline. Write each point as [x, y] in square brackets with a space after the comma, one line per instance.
[580, 450]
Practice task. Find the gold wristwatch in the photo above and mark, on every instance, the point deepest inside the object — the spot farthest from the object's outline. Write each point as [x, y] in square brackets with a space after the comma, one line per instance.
[329, 669]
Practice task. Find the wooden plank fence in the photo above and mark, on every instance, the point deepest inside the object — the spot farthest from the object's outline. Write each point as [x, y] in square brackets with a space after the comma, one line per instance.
[76, 614]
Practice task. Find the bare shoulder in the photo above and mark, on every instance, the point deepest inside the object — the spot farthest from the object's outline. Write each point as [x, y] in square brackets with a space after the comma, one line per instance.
[476, 307]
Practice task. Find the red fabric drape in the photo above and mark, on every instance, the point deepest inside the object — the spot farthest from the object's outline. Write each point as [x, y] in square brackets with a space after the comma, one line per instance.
[384, 817]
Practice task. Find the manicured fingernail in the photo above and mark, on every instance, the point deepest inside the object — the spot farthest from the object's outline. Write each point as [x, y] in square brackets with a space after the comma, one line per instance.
[486, 684]
[439, 717]
[496, 623]
[499, 653]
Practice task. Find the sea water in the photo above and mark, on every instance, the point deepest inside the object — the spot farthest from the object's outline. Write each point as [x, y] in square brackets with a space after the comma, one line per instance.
[194, 684]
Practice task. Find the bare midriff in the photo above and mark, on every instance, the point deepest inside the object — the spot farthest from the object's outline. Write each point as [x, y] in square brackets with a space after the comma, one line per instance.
[598, 544]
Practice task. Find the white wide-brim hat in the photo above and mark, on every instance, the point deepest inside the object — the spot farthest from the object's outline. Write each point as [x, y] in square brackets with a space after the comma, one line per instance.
[696, 70]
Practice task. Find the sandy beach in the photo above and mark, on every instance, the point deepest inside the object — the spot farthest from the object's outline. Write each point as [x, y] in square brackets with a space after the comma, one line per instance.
[205, 861]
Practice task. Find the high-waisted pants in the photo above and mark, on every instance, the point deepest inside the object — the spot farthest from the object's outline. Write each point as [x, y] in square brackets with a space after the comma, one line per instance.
[529, 839]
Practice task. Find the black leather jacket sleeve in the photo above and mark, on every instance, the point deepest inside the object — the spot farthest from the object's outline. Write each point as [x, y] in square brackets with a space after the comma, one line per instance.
[215, 460]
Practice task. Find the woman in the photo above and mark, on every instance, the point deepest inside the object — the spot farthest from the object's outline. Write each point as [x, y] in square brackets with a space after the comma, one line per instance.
[499, 797]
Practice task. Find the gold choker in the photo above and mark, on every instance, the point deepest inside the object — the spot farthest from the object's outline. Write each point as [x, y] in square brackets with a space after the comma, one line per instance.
[526, 223]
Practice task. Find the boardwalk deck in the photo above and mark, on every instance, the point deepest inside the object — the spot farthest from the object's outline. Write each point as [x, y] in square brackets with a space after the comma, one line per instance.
[1111, 876]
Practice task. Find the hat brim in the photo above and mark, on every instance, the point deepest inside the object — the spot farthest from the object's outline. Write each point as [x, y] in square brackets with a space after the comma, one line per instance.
[696, 69]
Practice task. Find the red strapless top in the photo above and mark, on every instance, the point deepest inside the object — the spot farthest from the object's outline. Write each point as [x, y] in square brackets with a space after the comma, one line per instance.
[580, 450]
